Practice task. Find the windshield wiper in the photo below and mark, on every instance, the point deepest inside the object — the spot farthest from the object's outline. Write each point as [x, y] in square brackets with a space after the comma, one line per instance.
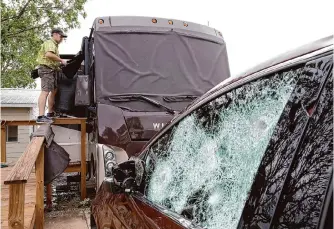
[179, 98]
[127, 98]
[128, 109]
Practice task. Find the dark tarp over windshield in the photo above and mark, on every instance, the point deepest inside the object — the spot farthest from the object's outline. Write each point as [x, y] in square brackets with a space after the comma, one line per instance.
[157, 63]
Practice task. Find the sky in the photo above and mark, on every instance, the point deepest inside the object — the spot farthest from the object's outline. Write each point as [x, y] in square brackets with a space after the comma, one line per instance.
[254, 30]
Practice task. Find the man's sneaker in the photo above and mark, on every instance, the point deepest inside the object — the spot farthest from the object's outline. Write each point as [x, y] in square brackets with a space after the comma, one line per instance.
[52, 115]
[43, 119]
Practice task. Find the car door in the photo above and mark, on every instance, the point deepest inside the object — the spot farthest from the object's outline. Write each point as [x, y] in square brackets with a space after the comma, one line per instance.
[199, 173]
[202, 168]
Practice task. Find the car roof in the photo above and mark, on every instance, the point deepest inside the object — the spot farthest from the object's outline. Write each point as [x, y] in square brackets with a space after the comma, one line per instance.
[280, 59]
[277, 63]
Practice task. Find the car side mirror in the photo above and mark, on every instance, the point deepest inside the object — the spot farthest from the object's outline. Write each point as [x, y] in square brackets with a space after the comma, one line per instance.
[128, 175]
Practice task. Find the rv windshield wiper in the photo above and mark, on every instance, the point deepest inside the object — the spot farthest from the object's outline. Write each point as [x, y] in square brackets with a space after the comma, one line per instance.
[179, 98]
[128, 109]
[126, 98]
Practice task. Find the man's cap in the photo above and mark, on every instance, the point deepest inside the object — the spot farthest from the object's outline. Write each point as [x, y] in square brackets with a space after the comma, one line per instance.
[59, 31]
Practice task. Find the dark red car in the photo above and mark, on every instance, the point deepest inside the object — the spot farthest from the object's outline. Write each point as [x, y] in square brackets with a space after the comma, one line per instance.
[254, 152]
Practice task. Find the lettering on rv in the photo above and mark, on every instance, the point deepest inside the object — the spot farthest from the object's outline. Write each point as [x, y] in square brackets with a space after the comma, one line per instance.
[158, 126]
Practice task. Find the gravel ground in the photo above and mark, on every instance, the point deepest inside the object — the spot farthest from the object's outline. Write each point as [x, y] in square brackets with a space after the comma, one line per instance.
[67, 211]
[76, 218]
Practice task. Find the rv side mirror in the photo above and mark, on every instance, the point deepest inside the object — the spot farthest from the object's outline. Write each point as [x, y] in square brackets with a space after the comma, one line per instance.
[129, 174]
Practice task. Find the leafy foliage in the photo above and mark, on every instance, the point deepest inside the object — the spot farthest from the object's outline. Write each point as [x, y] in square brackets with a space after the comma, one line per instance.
[24, 27]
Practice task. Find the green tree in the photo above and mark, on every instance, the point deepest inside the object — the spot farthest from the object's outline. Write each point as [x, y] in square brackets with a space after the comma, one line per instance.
[25, 24]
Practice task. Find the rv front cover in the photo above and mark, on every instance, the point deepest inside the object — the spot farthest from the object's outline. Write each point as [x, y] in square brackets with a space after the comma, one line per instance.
[157, 63]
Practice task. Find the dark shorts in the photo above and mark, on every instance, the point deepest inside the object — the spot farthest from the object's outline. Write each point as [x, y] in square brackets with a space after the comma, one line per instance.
[48, 78]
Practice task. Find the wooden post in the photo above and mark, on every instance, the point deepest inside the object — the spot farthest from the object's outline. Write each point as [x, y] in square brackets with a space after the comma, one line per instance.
[49, 196]
[83, 159]
[3, 144]
[39, 220]
[16, 206]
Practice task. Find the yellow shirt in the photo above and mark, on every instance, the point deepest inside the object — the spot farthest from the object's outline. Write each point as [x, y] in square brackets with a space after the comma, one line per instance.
[48, 46]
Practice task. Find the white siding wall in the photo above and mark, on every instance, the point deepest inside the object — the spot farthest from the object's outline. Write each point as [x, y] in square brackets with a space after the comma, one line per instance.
[15, 149]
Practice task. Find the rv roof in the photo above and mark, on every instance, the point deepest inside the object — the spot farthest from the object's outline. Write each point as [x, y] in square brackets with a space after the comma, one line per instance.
[128, 22]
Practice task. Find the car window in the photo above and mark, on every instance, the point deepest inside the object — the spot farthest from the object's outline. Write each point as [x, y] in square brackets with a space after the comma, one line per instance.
[204, 166]
[302, 199]
[271, 185]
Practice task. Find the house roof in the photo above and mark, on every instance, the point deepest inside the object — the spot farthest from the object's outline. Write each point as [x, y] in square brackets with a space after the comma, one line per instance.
[11, 97]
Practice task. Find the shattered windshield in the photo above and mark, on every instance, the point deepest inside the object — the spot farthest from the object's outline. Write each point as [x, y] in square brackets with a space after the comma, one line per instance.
[204, 166]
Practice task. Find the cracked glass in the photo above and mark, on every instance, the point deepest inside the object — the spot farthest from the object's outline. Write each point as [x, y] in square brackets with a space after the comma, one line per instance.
[204, 167]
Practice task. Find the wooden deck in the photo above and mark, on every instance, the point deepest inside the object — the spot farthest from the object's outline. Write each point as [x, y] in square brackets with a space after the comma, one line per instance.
[30, 199]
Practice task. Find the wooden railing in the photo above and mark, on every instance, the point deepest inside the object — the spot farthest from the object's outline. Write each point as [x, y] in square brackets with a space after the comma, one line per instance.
[58, 121]
[18, 176]
[17, 179]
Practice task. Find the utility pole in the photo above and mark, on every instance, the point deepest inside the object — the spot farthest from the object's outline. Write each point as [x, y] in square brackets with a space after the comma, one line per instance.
[208, 23]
